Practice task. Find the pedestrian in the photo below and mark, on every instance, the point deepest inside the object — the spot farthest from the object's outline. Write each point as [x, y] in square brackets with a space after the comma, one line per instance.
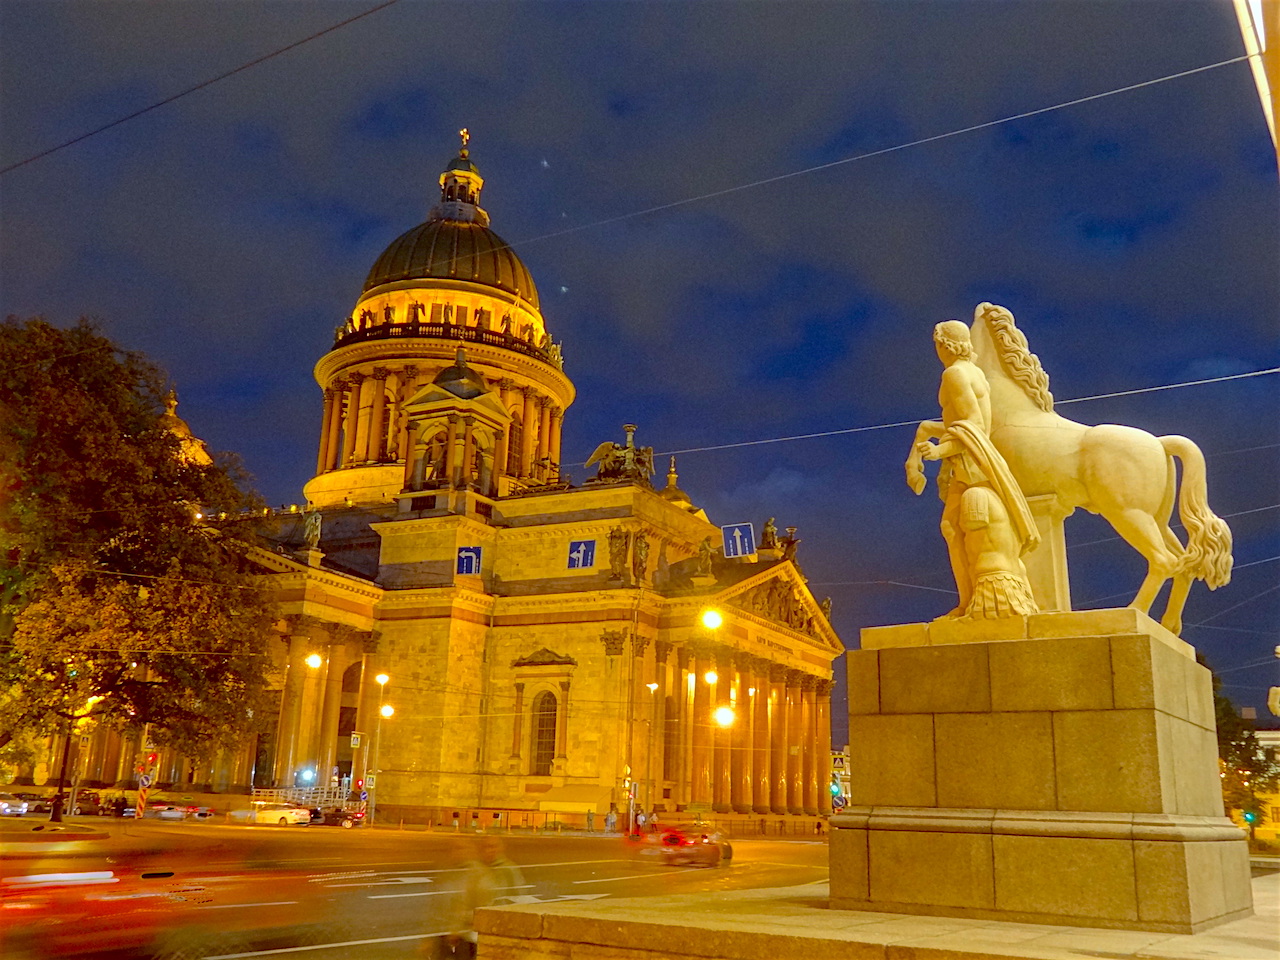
[610, 820]
[591, 821]
[487, 878]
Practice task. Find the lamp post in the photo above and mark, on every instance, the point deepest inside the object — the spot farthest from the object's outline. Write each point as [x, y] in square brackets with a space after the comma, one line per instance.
[371, 779]
[60, 798]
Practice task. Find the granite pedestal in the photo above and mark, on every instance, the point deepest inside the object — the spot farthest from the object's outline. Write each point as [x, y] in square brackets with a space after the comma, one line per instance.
[1058, 768]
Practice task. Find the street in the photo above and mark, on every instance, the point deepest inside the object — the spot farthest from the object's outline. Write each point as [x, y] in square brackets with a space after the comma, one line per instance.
[210, 891]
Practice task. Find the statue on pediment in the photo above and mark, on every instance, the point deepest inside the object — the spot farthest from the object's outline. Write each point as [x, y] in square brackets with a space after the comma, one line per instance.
[623, 461]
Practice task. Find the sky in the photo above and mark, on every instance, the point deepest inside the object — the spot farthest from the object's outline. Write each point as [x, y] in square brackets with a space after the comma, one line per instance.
[671, 174]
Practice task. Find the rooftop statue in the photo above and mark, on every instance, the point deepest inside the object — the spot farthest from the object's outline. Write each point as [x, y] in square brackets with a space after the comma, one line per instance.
[619, 461]
[1125, 474]
[986, 521]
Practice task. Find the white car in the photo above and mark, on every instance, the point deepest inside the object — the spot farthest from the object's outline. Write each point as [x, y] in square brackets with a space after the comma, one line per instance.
[11, 806]
[263, 811]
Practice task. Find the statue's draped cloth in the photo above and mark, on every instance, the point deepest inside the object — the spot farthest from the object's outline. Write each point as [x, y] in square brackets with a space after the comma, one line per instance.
[980, 462]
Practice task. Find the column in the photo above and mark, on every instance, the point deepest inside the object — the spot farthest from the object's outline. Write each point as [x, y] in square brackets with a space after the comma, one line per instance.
[760, 739]
[468, 451]
[778, 738]
[376, 437]
[499, 461]
[517, 724]
[700, 753]
[823, 773]
[412, 457]
[740, 752]
[333, 426]
[408, 387]
[562, 731]
[722, 737]
[352, 418]
[366, 710]
[322, 460]
[451, 452]
[328, 747]
[662, 676]
[364, 401]
[795, 740]
[530, 431]
[809, 746]
[557, 424]
[290, 710]
[683, 763]
[544, 430]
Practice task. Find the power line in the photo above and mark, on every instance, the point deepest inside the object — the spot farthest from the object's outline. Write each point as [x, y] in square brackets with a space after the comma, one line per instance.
[198, 86]
[908, 423]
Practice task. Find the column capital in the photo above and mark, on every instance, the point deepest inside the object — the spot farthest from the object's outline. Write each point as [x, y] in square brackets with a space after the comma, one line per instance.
[660, 650]
[329, 394]
[506, 383]
[381, 373]
[527, 392]
[543, 401]
[519, 688]
[614, 641]
[778, 673]
[355, 379]
[638, 645]
[808, 682]
[794, 677]
[338, 384]
[824, 687]
[564, 687]
[411, 371]
[557, 413]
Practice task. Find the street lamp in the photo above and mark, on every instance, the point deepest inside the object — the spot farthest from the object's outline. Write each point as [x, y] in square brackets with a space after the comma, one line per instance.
[724, 716]
[384, 710]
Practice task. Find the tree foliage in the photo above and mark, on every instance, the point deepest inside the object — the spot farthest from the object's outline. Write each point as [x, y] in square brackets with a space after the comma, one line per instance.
[1248, 774]
[116, 598]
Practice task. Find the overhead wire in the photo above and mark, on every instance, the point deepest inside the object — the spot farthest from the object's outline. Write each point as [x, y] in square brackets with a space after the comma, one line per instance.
[199, 86]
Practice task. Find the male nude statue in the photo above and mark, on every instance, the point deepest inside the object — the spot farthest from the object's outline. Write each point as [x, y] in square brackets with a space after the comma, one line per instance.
[985, 518]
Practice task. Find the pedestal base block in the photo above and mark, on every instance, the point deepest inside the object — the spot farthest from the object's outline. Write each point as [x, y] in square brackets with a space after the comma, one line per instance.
[1166, 873]
[1059, 768]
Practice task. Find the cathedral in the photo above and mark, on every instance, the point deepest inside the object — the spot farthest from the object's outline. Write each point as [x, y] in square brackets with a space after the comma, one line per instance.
[467, 636]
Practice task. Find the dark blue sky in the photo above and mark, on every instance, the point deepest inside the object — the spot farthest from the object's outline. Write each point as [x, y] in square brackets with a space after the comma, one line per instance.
[1136, 237]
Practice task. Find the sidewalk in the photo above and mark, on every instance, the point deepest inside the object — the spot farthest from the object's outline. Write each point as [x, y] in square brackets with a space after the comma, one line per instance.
[795, 923]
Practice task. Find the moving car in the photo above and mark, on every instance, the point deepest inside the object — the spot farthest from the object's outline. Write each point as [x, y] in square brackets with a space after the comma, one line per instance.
[264, 811]
[693, 849]
[36, 802]
[11, 806]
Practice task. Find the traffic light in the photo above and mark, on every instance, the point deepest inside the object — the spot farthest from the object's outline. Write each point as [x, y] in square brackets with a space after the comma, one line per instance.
[360, 783]
[151, 758]
[835, 786]
[1250, 816]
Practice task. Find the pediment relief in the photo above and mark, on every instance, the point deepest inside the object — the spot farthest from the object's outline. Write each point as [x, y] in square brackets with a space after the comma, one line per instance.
[782, 597]
[542, 657]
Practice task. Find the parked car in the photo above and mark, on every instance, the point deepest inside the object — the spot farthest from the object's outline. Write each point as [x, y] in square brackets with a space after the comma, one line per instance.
[337, 817]
[36, 802]
[264, 811]
[89, 804]
[11, 806]
[693, 849]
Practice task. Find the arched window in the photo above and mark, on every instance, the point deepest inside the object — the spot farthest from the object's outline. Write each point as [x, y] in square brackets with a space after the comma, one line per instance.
[515, 440]
[543, 745]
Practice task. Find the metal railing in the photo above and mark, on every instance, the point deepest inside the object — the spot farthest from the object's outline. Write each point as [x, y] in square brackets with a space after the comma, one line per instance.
[446, 331]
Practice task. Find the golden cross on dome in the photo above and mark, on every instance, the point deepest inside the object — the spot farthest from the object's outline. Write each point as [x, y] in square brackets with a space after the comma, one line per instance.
[465, 134]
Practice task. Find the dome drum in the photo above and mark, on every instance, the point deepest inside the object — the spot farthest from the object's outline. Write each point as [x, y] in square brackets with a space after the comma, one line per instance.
[547, 351]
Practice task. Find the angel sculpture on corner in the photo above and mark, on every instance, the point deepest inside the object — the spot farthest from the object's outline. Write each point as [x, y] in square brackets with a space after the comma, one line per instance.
[619, 461]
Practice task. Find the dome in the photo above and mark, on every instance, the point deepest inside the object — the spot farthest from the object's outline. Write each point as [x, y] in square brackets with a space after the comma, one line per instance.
[443, 249]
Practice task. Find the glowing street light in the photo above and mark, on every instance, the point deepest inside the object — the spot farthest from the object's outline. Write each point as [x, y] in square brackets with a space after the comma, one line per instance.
[724, 716]
[314, 660]
[712, 620]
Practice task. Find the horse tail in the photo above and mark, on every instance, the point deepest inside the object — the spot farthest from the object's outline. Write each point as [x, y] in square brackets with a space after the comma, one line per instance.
[1208, 553]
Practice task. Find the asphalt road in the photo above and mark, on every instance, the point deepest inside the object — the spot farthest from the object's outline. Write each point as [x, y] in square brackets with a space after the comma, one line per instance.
[182, 891]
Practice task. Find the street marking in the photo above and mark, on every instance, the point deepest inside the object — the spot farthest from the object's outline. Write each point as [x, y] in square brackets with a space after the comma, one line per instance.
[436, 893]
[634, 876]
[326, 946]
[224, 906]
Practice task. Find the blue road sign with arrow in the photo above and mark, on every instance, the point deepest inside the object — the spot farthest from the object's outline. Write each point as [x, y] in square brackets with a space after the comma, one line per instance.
[582, 554]
[739, 540]
[469, 561]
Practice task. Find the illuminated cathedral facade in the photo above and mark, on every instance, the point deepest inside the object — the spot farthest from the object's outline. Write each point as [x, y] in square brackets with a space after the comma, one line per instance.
[466, 634]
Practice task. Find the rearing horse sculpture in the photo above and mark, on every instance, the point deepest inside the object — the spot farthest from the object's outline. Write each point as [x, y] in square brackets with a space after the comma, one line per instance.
[1125, 474]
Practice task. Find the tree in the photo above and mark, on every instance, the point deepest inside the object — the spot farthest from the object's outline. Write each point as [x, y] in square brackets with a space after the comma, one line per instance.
[117, 599]
[1247, 772]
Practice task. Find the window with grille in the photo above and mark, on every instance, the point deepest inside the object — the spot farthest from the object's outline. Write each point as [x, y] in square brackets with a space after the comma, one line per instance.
[544, 734]
[515, 440]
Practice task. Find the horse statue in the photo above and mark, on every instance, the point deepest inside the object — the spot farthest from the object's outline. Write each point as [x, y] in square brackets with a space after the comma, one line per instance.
[1126, 475]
